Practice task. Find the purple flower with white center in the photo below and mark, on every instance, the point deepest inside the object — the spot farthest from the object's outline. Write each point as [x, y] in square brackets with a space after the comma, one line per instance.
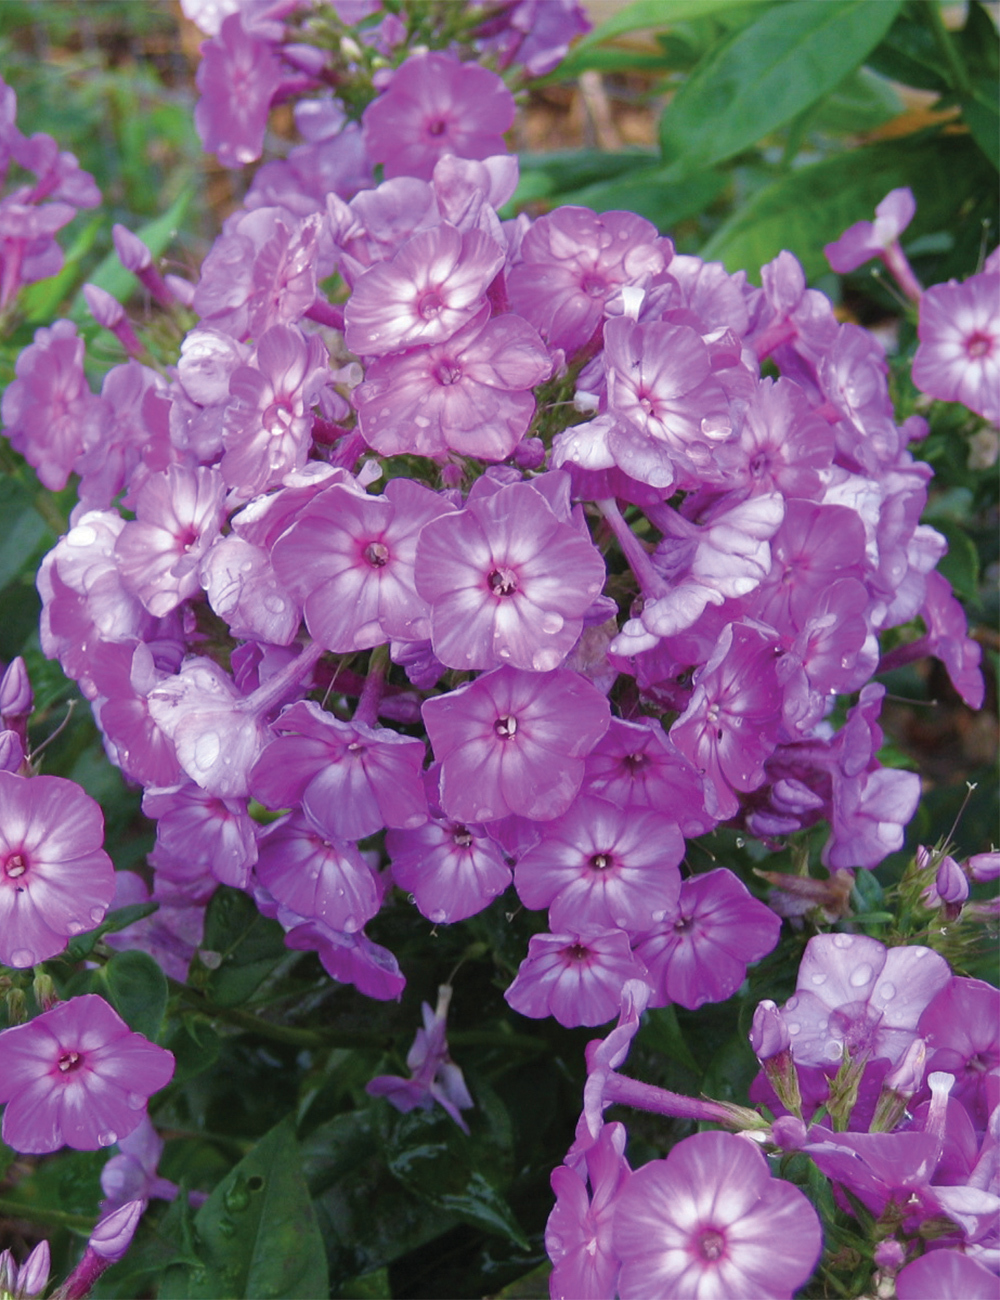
[785, 445]
[77, 1076]
[599, 867]
[452, 870]
[635, 765]
[701, 954]
[710, 1221]
[578, 1234]
[434, 1075]
[349, 560]
[958, 359]
[514, 742]
[961, 1026]
[577, 978]
[55, 878]
[435, 106]
[238, 76]
[351, 779]
[853, 995]
[49, 412]
[573, 261]
[315, 876]
[730, 727]
[435, 284]
[946, 1273]
[507, 582]
[470, 393]
[178, 515]
[268, 420]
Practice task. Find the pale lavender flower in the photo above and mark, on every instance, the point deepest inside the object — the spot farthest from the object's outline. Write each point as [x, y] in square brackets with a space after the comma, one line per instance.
[958, 359]
[77, 1076]
[578, 1234]
[452, 870]
[865, 239]
[238, 77]
[709, 1221]
[577, 978]
[317, 877]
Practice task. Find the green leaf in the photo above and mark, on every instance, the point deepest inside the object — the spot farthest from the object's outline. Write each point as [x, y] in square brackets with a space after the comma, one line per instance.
[860, 103]
[766, 74]
[910, 55]
[257, 1232]
[137, 989]
[653, 194]
[248, 946]
[980, 114]
[40, 301]
[430, 1155]
[122, 917]
[645, 15]
[24, 530]
[195, 1046]
[815, 204]
[961, 564]
[662, 1032]
[156, 235]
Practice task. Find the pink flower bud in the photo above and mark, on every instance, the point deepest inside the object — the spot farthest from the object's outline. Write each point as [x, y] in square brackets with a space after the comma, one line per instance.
[985, 866]
[16, 699]
[889, 1255]
[769, 1034]
[34, 1274]
[132, 252]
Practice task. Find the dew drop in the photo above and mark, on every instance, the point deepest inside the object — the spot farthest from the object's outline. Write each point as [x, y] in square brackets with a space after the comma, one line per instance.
[552, 623]
[81, 535]
[437, 916]
[794, 1027]
[504, 652]
[135, 1101]
[833, 1051]
[107, 1139]
[791, 1004]
[554, 1244]
[274, 604]
[860, 976]
[351, 923]
[886, 992]
[227, 1227]
[97, 915]
[659, 916]
[22, 957]
[74, 927]
[543, 661]
[842, 941]
[818, 979]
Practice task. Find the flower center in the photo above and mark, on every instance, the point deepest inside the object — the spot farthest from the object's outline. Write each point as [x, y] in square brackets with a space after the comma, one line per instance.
[70, 1061]
[377, 554]
[462, 837]
[578, 952]
[437, 127]
[634, 762]
[503, 582]
[506, 727]
[600, 861]
[979, 345]
[594, 286]
[448, 372]
[711, 1245]
[16, 866]
[431, 304]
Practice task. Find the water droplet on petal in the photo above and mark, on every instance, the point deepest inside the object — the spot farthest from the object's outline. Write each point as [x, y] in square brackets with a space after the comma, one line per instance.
[437, 916]
[207, 749]
[97, 914]
[22, 957]
[107, 1139]
[543, 661]
[794, 1027]
[818, 978]
[81, 535]
[135, 1101]
[842, 941]
[885, 992]
[833, 1051]
[552, 623]
[351, 923]
[861, 975]
[74, 927]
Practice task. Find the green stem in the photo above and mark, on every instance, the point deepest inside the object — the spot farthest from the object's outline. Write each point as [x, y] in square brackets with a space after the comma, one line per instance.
[52, 1218]
[287, 1034]
[959, 75]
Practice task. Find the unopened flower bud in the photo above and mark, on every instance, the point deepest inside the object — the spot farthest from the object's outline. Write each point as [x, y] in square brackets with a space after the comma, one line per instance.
[113, 1235]
[17, 1006]
[923, 857]
[789, 1133]
[132, 252]
[34, 1275]
[8, 1273]
[530, 453]
[110, 315]
[44, 990]
[984, 866]
[898, 1087]
[11, 751]
[16, 699]
[890, 1255]
[768, 1034]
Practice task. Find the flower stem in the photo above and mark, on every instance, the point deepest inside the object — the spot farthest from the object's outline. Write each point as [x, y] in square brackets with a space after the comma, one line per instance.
[52, 1218]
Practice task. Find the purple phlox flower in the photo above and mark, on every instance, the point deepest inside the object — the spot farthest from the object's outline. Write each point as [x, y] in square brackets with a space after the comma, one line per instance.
[451, 869]
[535, 34]
[435, 284]
[700, 953]
[349, 559]
[795, 323]
[852, 376]
[947, 639]
[854, 996]
[260, 272]
[514, 742]
[178, 515]
[730, 726]
[470, 393]
[132, 417]
[77, 1076]
[238, 77]
[243, 589]
[507, 582]
[865, 239]
[216, 833]
[813, 547]
[574, 262]
[123, 674]
[783, 446]
[31, 1279]
[576, 977]
[376, 223]
[55, 878]
[702, 295]
[636, 765]
[207, 361]
[710, 1221]
[578, 1234]
[262, 521]
[661, 388]
[350, 958]
[961, 1025]
[470, 191]
[16, 698]
[268, 420]
[600, 867]
[315, 876]
[958, 359]
[300, 182]
[604, 1056]
[352, 779]
[434, 1075]
[869, 815]
[49, 412]
[171, 935]
[434, 106]
[108, 1243]
[131, 1175]
[946, 1273]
